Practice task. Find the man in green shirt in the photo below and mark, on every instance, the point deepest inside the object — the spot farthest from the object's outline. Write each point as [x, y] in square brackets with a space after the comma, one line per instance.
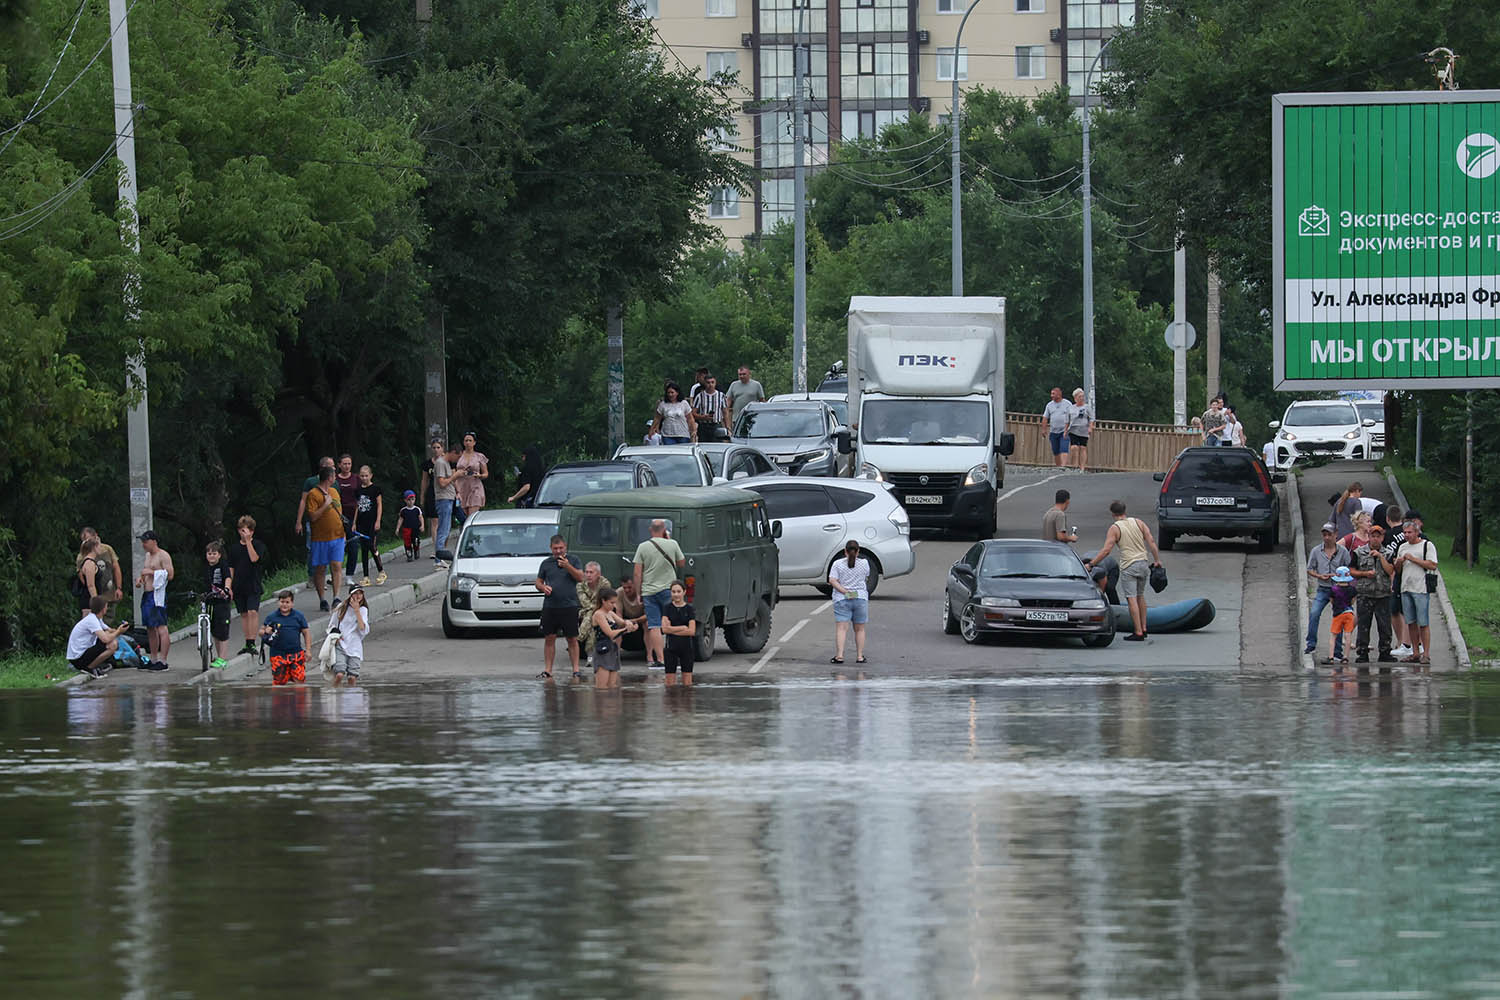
[657, 560]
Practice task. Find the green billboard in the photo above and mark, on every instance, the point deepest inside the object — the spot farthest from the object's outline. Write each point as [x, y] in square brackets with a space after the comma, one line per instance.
[1386, 240]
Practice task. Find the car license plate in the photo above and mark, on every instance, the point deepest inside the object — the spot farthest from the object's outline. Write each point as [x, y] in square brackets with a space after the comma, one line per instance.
[1046, 616]
[1215, 501]
[923, 498]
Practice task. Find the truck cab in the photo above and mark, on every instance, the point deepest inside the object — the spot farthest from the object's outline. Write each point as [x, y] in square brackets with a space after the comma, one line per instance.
[927, 405]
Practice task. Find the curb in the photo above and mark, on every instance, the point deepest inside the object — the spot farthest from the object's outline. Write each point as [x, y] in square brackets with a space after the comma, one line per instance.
[1460, 648]
[1299, 568]
[382, 605]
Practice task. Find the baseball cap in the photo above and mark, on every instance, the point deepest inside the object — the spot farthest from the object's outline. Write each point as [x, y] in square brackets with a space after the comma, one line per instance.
[409, 493]
[148, 536]
[1328, 526]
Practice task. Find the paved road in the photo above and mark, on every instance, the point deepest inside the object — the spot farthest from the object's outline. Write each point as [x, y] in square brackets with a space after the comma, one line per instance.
[1251, 591]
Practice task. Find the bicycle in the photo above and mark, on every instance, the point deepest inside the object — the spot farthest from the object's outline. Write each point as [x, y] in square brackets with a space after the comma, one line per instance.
[205, 628]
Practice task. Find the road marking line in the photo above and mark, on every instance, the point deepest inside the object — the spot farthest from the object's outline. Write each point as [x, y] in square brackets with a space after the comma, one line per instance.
[916, 543]
[795, 629]
[821, 608]
[1009, 493]
[765, 659]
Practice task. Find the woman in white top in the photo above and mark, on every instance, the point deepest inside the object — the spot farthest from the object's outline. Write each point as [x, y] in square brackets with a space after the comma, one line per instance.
[674, 418]
[849, 578]
[352, 620]
[1232, 434]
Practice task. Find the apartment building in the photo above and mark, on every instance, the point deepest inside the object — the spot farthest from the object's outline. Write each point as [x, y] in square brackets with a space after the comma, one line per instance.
[871, 62]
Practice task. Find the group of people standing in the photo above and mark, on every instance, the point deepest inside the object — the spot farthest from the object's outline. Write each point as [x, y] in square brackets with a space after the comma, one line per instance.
[1219, 425]
[1070, 425]
[1374, 565]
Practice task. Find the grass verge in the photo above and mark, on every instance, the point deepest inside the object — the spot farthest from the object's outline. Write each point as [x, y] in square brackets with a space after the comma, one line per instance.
[29, 670]
[1475, 593]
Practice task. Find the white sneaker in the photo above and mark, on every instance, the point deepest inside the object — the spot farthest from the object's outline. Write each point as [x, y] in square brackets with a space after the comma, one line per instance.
[1401, 650]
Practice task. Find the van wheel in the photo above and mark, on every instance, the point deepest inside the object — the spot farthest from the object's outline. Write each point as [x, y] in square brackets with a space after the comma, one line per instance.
[1165, 539]
[750, 635]
[703, 642]
[450, 630]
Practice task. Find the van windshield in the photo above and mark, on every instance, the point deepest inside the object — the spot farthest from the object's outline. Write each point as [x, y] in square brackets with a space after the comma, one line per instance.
[925, 421]
[495, 540]
[1320, 415]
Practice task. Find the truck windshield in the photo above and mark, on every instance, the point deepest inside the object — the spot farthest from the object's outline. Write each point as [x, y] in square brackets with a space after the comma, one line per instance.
[925, 421]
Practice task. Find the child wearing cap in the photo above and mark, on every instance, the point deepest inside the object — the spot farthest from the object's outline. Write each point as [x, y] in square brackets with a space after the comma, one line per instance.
[1343, 595]
[412, 524]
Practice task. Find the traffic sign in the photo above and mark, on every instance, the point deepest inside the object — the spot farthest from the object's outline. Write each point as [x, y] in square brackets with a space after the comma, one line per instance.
[1180, 335]
[1386, 240]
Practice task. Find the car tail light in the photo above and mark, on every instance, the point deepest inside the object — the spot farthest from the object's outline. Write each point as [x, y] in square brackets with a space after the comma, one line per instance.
[688, 586]
[1265, 484]
[1166, 484]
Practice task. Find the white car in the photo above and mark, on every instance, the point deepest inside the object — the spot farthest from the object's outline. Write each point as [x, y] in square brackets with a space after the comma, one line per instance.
[674, 464]
[1329, 427]
[492, 580]
[819, 515]
[1373, 409]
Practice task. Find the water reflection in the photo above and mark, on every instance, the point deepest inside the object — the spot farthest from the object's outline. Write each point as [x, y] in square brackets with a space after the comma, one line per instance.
[995, 837]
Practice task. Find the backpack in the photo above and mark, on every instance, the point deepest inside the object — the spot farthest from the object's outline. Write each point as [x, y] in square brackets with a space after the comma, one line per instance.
[76, 587]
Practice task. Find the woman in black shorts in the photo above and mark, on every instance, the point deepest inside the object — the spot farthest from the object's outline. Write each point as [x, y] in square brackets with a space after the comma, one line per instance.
[679, 627]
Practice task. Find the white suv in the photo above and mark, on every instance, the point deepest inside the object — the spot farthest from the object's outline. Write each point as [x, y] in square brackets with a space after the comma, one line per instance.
[819, 515]
[1321, 427]
[492, 581]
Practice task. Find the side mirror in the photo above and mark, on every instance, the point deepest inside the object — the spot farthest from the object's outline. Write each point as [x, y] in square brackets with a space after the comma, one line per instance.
[1006, 445]
[446, 555]
[1160, 477]
[775, 529]
[846, 446]
[720, 481]
[1274, 425]
[1369, 422]
[1278, 477]
[742, 474]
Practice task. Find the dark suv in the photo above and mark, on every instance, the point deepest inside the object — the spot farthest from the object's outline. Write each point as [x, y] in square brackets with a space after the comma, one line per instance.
[1221, 493]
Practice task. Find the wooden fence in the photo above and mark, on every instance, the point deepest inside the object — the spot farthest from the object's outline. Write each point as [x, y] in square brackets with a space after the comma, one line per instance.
[1115, 446]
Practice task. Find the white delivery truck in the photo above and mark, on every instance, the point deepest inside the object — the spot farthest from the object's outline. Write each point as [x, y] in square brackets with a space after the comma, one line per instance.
[927, 404]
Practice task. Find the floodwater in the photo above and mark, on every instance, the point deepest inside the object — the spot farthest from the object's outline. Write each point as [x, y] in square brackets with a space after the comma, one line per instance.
[1167, 836]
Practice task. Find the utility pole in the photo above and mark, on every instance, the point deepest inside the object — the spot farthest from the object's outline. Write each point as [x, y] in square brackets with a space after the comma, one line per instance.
[1212, 328]
[1179, 322]
[954, 112]
[1469, 478]
[614, 328]
[800, 69]
[435, 356]
[137, 423]
[1088, 241]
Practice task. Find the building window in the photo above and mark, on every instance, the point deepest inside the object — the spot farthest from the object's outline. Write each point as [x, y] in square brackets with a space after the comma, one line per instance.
[1031, 62]
[725, 63]
[719, 8]
[887, 79]
[647, 8]
[861, 16]
[867, 125]
[725, 204]
[1101, 13]
[867, 59]
[1081, 54]
[723, 139]
[1031, 6]
[866, 3]
[945, 63]
[950, 7]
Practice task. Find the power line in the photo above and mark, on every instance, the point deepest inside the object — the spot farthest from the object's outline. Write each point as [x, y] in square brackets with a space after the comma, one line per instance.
[77, 16]
[30, 218]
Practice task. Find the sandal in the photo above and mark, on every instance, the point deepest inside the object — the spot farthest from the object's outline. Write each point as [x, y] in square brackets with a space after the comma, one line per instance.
[835, 659]
[1425, 660]
[577, 677]
[1411, 659]
[1328, 659]
[861, 660]
[545, 675]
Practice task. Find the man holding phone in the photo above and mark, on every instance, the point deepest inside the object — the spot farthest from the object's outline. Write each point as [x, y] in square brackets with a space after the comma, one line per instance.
[91, 646]
[558, 578]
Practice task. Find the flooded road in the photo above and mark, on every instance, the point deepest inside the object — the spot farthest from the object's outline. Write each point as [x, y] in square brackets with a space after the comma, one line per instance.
[1070, 836]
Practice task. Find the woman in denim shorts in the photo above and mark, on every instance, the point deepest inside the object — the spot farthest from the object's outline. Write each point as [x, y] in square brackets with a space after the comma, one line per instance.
[849, 578]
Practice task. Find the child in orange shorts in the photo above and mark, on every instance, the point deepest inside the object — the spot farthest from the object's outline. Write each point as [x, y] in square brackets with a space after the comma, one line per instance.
[1343, 617]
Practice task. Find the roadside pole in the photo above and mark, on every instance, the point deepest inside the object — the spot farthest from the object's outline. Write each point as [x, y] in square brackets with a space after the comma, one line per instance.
[614, 328]
[799, 214]
[1469, 478]
[436, 396]
[137, 424]
[1211, 329]
[1179, 349]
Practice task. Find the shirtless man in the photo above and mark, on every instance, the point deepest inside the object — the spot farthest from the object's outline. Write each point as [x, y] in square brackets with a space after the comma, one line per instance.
[154, 605]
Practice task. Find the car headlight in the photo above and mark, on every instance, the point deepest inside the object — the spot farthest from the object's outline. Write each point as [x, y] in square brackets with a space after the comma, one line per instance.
[999, 602]
[978, 475]
[464, 583]
[1352, 436]
[868, 471]
[814, 456]
[1097, 604]
[1288, 436]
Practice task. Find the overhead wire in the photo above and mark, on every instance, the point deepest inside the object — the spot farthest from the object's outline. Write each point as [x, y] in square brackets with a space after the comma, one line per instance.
[36, 113]
[77, 16]
[28, 219]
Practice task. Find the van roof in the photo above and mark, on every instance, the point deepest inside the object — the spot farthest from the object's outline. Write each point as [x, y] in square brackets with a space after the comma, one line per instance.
[666, 498]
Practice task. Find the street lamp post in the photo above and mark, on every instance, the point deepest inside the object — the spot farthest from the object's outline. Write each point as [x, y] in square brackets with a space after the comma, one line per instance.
[958, 212]
[1088, 244]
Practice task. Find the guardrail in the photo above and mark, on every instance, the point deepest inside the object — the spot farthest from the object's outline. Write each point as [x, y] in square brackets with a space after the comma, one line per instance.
[1116, 445]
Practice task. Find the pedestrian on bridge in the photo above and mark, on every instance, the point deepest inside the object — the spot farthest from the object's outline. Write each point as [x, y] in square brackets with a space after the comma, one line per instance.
[1058, 414]
[1080, 429]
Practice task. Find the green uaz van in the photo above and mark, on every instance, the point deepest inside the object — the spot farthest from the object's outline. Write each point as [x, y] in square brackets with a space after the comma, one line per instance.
[725, 536]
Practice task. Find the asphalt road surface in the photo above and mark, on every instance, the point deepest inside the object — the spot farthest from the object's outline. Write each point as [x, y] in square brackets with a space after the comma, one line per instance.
[1251, 592]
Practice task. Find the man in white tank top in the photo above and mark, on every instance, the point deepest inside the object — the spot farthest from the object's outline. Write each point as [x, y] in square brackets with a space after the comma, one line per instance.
[1138, 553]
